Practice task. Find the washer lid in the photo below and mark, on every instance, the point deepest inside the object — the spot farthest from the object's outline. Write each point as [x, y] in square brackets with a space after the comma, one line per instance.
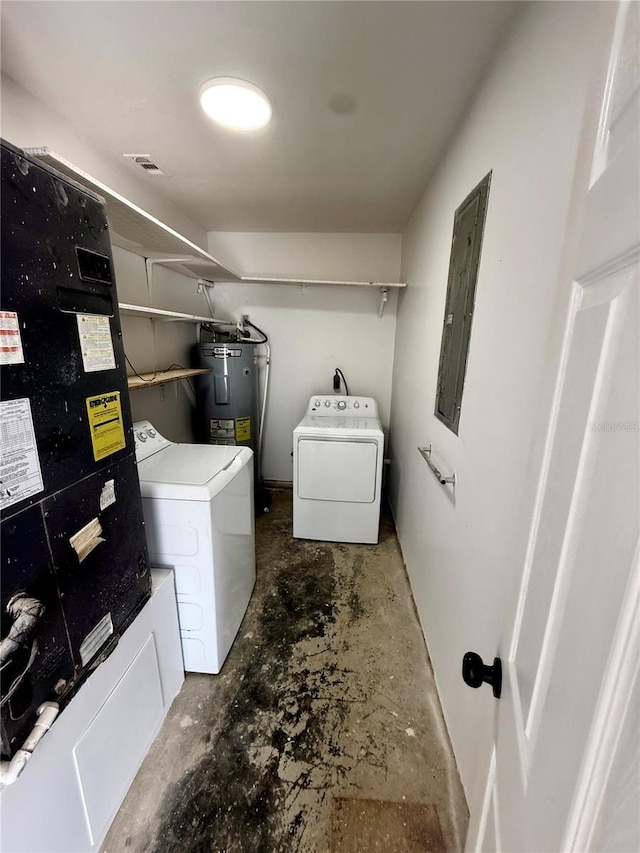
[187, 464]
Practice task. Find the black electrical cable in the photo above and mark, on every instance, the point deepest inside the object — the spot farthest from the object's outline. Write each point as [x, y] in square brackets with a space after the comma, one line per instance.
[138, 374]
[346, 387]
[253, 326]
[155, 374]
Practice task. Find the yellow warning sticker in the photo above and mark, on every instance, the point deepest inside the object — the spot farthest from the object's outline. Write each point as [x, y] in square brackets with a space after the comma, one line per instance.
[105, 424]
[243, 429]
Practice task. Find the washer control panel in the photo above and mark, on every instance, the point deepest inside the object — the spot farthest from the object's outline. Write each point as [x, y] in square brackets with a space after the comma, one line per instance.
[364, 407]
[147, 440]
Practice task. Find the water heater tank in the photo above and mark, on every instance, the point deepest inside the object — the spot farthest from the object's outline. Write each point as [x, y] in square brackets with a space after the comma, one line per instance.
[227, 398]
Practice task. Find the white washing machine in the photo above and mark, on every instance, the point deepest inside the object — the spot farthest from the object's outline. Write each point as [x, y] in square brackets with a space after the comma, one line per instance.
[198, 509]
[338, 450]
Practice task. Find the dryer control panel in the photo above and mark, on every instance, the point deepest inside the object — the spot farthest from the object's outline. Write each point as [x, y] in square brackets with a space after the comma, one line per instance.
[336, 405]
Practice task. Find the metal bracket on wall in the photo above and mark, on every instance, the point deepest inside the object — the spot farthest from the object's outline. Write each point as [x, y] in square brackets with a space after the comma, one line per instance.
[385, 296]
[425, 452]
[149, 262]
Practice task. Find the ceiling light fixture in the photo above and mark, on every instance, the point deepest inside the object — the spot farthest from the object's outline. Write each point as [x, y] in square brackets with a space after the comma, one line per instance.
[235, 103]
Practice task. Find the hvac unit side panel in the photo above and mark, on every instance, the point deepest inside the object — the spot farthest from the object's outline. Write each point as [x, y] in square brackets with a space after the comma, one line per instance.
[67, 441]
[49, 230]
[110, 581]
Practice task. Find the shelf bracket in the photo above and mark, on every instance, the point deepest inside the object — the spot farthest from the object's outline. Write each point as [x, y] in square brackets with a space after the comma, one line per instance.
[149, 262]
[384, 291]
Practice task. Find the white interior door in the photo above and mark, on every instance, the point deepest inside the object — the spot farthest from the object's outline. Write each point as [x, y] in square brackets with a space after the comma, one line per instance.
[565, 767]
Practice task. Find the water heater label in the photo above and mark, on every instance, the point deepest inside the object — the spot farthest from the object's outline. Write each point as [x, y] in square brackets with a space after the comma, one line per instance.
[226, 352]
[105, 424]
[243, 429]
[221, 428]
[10, 340]
[20, 474]
[95, 342]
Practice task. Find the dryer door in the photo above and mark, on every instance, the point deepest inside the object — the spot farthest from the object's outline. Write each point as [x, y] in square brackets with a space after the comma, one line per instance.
[335, 470]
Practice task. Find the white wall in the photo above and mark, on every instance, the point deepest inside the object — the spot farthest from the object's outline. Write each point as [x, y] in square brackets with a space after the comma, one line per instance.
[155, 345]
[313, 329]
[29, 123]
[462, 553]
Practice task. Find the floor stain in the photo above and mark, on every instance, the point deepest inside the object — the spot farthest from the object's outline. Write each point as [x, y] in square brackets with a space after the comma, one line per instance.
[327, 692]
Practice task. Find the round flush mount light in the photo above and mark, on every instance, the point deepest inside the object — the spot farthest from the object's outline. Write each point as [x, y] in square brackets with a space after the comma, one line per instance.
[235, 103]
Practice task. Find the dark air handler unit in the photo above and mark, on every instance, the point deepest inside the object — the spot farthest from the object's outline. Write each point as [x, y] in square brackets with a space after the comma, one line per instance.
[74, 556]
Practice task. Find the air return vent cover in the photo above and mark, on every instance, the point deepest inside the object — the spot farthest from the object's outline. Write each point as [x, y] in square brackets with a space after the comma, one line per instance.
[146, 163]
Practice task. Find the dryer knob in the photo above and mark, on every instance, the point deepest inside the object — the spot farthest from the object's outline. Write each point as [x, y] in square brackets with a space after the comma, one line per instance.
[152, 432]
[316, 403]
[142, 436]
[327, 403]
[342, 405]
[356, 405]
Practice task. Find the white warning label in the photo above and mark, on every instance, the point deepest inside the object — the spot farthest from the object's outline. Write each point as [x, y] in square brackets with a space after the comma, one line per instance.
[20, 475]
[10, 340]
[95, 342]
[108, 494]
[95, 639]
[222, 429]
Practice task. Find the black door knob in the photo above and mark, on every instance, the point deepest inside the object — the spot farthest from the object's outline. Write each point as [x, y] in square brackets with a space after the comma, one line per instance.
[475, 673]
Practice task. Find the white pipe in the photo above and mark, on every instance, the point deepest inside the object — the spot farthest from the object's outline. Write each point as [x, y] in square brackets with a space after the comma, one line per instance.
[264, 407]
[10, 770]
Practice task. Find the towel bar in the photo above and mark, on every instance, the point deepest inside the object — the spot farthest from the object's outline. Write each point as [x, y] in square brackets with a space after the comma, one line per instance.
[425, 452]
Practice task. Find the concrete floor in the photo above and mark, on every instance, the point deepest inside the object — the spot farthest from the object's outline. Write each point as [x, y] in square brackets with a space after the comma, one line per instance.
[327, 699]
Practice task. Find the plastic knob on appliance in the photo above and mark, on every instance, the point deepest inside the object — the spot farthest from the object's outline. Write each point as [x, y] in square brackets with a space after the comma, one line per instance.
[317, 403]
[356, 405]
[342, 405]
[152, 432]
[142, 436]
[327, 403]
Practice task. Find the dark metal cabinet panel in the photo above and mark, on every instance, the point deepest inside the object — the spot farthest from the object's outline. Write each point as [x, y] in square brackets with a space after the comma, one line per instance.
[35, 659]
[68, 457]
[463, 272]
[112, 580]
[56, 264]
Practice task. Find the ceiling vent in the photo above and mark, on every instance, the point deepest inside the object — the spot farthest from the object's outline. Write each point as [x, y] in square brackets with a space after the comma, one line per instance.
[146, 163]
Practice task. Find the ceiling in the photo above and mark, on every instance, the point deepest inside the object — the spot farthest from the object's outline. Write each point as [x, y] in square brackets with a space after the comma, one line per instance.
[366, 96]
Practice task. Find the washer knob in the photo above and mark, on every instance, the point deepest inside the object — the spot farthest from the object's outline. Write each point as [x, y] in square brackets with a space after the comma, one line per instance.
[152, 432]
[142, 436]
[317, 403]
[327, 403]
[342, 404]
[356, 405]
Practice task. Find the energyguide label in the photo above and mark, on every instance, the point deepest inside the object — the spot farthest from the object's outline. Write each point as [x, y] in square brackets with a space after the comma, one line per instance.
[105, 424]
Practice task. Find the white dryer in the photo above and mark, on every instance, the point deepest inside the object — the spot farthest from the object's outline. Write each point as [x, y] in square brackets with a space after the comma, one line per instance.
[338, 450]
[198, 509]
